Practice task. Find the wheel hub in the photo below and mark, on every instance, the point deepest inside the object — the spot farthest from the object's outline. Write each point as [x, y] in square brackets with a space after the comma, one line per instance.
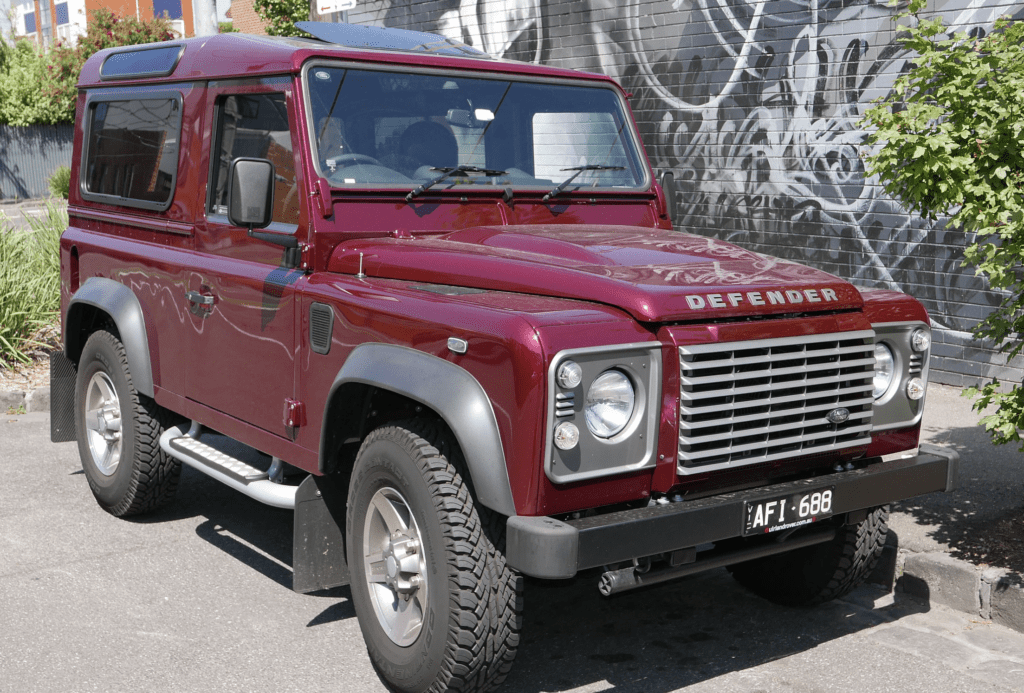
[103, 423]
[394, 566]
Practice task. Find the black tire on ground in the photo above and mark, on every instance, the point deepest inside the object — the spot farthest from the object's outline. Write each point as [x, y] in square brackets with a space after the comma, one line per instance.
[462, 604]
[119, 432]
[819, 573]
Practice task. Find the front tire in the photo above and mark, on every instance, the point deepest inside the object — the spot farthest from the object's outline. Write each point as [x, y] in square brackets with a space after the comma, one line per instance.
[820, 573]
[438, 607]
[119, 432]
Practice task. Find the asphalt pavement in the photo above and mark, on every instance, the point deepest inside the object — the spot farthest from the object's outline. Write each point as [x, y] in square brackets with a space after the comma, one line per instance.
[197, 598]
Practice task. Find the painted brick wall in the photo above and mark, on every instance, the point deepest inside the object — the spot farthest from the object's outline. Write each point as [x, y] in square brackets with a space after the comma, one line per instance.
[754, 105]
[245, 19]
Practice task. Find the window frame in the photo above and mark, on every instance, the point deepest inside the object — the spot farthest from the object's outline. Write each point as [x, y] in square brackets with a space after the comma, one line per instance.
[95, 97]
[643, 186]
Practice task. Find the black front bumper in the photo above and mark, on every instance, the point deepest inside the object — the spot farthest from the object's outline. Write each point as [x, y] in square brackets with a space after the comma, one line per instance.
[548, 548]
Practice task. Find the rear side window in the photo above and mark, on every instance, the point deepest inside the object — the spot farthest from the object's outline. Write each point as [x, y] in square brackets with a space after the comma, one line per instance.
[131, 153]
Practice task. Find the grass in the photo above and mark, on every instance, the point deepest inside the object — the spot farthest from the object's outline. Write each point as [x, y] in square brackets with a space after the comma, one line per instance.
[29, 285]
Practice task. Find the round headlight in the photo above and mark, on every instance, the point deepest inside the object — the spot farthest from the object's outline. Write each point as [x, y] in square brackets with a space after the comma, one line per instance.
[569, 374]
[609, 404]
[920, 340]
[885, 367]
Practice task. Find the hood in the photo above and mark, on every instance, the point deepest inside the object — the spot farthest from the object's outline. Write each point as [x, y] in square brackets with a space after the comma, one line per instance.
[653, 274]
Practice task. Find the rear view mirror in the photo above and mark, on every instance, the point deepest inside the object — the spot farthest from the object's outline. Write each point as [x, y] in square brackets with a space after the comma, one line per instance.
[460, 117]
[251, 193]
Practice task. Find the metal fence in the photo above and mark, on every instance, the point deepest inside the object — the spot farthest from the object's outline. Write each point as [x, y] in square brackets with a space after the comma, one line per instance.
[29, 156]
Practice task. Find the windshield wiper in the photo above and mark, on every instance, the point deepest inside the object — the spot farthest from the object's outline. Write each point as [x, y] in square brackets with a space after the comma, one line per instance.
[448, 172]
[579, 169]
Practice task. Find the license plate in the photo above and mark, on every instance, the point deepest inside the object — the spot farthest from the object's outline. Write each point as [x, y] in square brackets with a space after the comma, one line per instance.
[786, 512]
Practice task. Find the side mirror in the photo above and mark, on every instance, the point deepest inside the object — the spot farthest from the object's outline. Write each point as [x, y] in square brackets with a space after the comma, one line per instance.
[667, 180]
[251, 193]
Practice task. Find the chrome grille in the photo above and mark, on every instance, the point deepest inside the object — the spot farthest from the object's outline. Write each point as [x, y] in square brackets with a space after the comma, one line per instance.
[749, 402]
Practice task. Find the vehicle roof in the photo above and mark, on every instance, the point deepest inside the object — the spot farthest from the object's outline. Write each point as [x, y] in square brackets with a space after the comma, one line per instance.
[233, 55]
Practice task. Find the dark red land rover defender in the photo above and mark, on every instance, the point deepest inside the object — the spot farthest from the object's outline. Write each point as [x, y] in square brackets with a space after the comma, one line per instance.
[433, 302]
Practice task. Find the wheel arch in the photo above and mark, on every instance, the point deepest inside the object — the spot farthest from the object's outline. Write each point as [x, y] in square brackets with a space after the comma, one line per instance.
[421, 379]
[98, 299]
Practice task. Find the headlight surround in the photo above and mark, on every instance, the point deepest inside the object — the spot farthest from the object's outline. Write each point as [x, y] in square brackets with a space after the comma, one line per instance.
[610, 403]
[885, 370]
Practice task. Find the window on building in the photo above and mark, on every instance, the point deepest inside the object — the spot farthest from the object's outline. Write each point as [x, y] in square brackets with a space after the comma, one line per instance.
[62, 14]
[30, 22]
[45, 22]
[171, 7]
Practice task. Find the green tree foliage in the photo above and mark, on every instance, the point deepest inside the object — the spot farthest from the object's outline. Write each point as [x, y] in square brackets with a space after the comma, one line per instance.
[105, 30]
[281, 15]
[949, 144]
[22, 72]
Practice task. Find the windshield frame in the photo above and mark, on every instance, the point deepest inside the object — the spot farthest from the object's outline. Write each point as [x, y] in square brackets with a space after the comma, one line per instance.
[629, 130]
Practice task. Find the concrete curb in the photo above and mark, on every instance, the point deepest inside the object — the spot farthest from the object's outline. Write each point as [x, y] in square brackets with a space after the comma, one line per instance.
[993, 594]
[28, 402]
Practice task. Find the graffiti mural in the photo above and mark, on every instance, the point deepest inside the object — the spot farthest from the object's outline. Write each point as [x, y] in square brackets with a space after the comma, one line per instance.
[754, 105]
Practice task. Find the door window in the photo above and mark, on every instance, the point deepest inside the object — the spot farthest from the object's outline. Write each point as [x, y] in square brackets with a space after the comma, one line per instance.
[256, 126]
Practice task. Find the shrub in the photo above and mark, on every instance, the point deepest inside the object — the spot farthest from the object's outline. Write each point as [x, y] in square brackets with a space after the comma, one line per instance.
[226, 28]
[949, 135]
[60, 182]
[22, 101]
[30, 285]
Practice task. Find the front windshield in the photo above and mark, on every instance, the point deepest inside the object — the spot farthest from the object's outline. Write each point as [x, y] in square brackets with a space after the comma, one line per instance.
[404, 130]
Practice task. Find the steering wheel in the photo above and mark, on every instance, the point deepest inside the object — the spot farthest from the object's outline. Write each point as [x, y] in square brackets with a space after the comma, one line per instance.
[353, 159]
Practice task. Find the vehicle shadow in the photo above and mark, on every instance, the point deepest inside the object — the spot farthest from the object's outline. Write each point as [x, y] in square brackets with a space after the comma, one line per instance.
[660, 638]
[971, 520]
[673, 635]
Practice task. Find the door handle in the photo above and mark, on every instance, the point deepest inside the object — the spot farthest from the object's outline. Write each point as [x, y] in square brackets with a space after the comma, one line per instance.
[198, 298]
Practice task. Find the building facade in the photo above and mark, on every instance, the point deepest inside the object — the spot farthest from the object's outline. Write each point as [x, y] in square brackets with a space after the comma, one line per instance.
[47, 21]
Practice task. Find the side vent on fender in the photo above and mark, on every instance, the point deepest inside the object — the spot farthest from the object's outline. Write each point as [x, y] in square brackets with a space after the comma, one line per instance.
[321, 326]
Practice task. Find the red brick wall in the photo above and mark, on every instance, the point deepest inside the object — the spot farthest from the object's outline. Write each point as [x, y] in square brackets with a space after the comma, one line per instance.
[244, 18]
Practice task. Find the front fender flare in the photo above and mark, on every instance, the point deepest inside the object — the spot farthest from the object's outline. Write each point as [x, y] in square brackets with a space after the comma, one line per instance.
[123, 307]
[447, 389]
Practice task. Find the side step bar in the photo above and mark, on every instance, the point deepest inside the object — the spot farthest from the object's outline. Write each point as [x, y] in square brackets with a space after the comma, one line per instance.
[187, 447]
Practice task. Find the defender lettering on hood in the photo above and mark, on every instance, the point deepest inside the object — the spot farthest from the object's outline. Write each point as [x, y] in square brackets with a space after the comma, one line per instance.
[761, 298]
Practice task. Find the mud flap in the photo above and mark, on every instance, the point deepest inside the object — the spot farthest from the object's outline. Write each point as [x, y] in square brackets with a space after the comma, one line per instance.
[318, 543]
[63, 373]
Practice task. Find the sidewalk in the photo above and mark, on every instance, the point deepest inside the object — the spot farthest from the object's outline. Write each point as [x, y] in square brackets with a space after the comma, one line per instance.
[927, 532]
[18, 212]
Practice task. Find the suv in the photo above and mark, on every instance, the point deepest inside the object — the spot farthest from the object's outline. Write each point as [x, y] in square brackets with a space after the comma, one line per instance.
[433, 302]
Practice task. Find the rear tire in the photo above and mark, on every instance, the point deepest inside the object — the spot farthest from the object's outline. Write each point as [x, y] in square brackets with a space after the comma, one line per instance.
[119, 433]
[819, 573]
[438, 606]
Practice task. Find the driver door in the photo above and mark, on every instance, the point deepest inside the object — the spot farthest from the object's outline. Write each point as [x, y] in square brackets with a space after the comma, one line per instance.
[242, 300]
